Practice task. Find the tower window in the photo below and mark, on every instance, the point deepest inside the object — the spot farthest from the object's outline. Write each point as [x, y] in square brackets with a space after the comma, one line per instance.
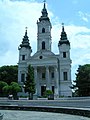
[22, 77]
[23, 57]
[43, 45]
[64, 54]
[52, 74]
[65, 77]
[43, 30]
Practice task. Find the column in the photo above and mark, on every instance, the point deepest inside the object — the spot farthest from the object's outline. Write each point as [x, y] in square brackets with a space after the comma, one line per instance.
[47, 79]
[36, 80]
[56, 83]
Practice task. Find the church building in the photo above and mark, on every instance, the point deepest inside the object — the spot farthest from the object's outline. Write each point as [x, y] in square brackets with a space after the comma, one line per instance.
[51, 71]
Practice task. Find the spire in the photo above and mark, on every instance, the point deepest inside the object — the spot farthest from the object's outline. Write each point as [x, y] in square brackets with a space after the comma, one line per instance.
[44, 13]
[63, 33]
[44, 10]
[63, 38]
[62, 27]
[26, 32]
[44, 3]
[25, 42]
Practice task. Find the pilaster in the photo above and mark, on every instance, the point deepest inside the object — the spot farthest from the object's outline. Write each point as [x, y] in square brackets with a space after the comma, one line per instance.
[56, 94]
[36, 80]
[47, 78]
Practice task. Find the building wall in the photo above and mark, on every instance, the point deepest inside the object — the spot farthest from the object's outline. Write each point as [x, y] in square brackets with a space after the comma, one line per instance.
[63, 66]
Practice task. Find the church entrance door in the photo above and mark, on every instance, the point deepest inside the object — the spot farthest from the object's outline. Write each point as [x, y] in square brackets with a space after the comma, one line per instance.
[43, 89]
[53, 89]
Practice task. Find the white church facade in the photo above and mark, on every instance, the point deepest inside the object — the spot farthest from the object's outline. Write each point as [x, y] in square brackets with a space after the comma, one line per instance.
[51, 71]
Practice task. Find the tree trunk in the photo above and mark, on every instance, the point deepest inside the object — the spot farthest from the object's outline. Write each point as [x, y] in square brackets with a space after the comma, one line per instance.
[30, 96]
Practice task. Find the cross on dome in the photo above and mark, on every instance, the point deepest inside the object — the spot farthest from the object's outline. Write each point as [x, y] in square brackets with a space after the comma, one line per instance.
[62, 27]
[26, 28]
[26, 31]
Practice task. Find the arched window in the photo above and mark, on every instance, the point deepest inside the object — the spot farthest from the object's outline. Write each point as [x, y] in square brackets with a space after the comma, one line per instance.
[43, 30]
[43, 45]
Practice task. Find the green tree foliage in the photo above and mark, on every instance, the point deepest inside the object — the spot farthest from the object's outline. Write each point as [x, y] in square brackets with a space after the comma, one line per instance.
[12, 89]
[82, 83]
[2, 84]
[47, 93]
[15, 88]
[7, 90]
[29, 83]
[9, 74]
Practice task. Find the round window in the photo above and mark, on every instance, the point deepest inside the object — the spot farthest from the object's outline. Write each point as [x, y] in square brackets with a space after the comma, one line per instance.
[40, 57]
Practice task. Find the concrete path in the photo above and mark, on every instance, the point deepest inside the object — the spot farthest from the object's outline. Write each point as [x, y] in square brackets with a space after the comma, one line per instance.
[30, 115]
[82, 103]
[77, 106]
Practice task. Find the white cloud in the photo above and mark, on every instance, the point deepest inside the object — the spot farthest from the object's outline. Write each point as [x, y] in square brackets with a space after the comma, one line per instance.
[80, 48]
[79, 37]
[84, 16]
[15, 16]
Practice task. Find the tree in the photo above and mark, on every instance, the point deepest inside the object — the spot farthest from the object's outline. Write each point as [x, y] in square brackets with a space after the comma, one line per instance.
[2, 84]
[15, 88]
[49, 94]
[12, 89]
[82, 82]
[29, 83]
[7, 90]
[9, 74]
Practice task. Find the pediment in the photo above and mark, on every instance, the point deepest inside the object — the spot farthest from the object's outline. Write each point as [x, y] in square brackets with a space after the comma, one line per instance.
[43, 55]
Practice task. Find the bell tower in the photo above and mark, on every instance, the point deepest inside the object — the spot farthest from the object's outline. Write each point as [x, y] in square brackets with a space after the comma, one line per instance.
[24, 48]
[44, 31]
[65, 64]
[64, 45]
[24, 54]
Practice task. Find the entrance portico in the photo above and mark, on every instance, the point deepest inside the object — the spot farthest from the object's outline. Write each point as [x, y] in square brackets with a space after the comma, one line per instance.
[46, 78]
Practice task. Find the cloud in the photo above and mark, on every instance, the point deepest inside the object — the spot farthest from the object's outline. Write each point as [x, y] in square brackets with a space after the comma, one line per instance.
[80, 48]
[84, 16]
[16, 15]
[79, 37]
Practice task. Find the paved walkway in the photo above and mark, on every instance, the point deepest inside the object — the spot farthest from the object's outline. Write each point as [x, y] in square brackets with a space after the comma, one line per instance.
[79, 103]
[81, 106]
[30, 115]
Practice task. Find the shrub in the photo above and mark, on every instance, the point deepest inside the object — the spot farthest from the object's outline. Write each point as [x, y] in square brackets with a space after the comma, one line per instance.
[47, 93]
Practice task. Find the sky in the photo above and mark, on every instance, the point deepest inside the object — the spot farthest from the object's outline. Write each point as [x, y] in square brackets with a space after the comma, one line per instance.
[15, 15]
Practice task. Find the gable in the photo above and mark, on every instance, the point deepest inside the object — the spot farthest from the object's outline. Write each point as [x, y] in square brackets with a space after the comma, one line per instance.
[43, 55]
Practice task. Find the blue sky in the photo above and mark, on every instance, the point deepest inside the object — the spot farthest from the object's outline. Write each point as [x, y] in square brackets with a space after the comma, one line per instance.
[15, 15]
